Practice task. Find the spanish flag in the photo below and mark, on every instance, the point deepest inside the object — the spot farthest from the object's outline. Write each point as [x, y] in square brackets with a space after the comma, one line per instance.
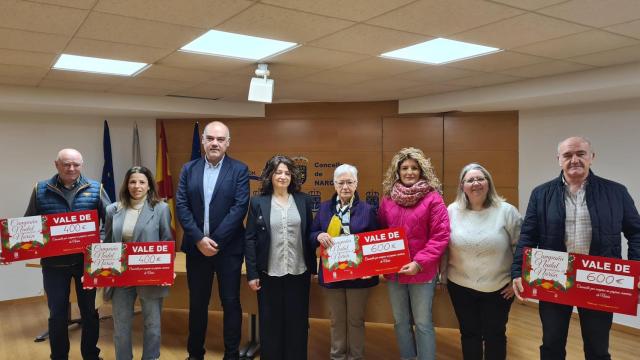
[163, 177]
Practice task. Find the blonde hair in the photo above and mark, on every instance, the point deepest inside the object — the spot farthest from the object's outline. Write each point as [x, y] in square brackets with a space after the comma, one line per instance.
[426, 170]
[493, 199]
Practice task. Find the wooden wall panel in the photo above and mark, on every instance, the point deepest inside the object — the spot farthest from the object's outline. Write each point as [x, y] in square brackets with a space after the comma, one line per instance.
[486, 131]
[489, 138]
[375, 109]
[367, 135]
[424, 133]
[503, 165]
[319, 134]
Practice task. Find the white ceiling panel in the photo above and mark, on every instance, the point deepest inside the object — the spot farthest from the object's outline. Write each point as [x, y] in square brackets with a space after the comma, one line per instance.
[578, 44]
[11, 80]
[176, 74]
[596, 13]
[340, 43]
[333, 77]
[82, 77]
[22, 71]
[26, 58]
[520, 30]
[78, 4]
[282, 24]
[441, 18]
[546, 69]
[114, 50]
[199, 13]
[69, 85]
[483, 80]
[612, 57]
[497, 61]
[381, 67]
[436, 73]
[32, 41]
[24, 15]
[357, 10]
[316, 57]
[370, 40]
[631, 28]
[203, 62]
[529, 4]
[120, 29]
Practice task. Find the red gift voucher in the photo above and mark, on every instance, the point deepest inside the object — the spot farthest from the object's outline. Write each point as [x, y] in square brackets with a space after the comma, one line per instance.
[592, 282]
[34, 237]
[365, 254]
[129, 264]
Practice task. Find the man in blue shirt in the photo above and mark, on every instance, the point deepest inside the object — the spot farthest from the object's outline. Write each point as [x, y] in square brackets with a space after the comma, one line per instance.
[211, 202]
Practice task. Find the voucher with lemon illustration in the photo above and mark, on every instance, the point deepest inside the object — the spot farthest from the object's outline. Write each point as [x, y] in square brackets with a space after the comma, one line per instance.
[365, 254]
[34, 237]
[129, 264]
[592, 282]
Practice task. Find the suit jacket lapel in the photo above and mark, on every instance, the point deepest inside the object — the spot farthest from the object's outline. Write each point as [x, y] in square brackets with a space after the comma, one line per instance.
[198, 175]
[265, 209]
[143, 218]
[118, 222]
[224, 170]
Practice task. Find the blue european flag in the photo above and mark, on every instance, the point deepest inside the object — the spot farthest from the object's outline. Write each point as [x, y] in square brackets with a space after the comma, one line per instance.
[107, 169]
[195, 144]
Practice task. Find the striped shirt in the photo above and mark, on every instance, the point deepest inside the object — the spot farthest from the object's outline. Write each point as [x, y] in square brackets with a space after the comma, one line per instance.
[577, 224]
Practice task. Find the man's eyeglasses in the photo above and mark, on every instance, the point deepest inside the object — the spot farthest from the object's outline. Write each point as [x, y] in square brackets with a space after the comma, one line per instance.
[349, 183]
[479, 179]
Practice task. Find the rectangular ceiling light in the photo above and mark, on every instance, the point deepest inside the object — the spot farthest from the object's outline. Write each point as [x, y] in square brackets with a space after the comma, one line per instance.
[439, 51]
[98, 65]
[220, 43]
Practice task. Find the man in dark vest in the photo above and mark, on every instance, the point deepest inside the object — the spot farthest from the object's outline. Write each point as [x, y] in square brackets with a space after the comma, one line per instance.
[68, 191]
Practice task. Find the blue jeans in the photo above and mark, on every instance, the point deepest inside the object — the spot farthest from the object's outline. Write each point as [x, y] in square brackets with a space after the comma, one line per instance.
[122, 305]
[57, 282]
[416, 299]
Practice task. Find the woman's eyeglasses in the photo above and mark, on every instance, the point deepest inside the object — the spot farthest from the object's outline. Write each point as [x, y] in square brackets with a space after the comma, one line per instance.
[479, 179]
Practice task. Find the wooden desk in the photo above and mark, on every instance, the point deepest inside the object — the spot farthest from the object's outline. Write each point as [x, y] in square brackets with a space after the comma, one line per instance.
[378, 306]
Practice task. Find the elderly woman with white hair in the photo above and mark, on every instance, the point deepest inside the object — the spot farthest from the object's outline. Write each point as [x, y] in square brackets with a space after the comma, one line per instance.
[345, 214]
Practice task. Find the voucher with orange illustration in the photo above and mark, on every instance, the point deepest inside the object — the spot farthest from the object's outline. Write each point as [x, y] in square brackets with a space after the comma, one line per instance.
[129, 264]
[592, 282]
[34, 237]
[365, 254]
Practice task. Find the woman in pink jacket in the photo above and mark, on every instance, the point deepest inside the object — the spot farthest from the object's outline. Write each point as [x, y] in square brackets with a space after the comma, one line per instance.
[412, 200]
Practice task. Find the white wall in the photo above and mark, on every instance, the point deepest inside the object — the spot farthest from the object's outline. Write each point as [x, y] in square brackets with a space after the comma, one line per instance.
[614, 130]
[29, 143]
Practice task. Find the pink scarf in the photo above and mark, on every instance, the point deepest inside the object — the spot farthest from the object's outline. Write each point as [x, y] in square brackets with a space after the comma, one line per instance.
[409, 196]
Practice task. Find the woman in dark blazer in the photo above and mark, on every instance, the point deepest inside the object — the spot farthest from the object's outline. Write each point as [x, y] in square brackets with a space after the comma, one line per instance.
[139, 216]
[280, 260]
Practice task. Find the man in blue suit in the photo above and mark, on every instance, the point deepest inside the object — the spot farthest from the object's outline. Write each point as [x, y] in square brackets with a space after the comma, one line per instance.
[215, 188]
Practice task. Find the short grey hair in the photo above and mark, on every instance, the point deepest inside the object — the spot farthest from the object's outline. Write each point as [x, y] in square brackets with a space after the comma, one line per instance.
[584, 139]
[493, 199]
[345, 169]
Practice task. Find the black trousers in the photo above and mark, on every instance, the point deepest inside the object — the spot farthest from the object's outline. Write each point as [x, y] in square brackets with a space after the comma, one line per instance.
[283, 304]
[595, 326]
[200, 274]
[483, 322]
[57, 282]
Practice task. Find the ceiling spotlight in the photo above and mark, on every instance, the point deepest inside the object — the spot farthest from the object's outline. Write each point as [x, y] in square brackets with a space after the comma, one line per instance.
[261, 87]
